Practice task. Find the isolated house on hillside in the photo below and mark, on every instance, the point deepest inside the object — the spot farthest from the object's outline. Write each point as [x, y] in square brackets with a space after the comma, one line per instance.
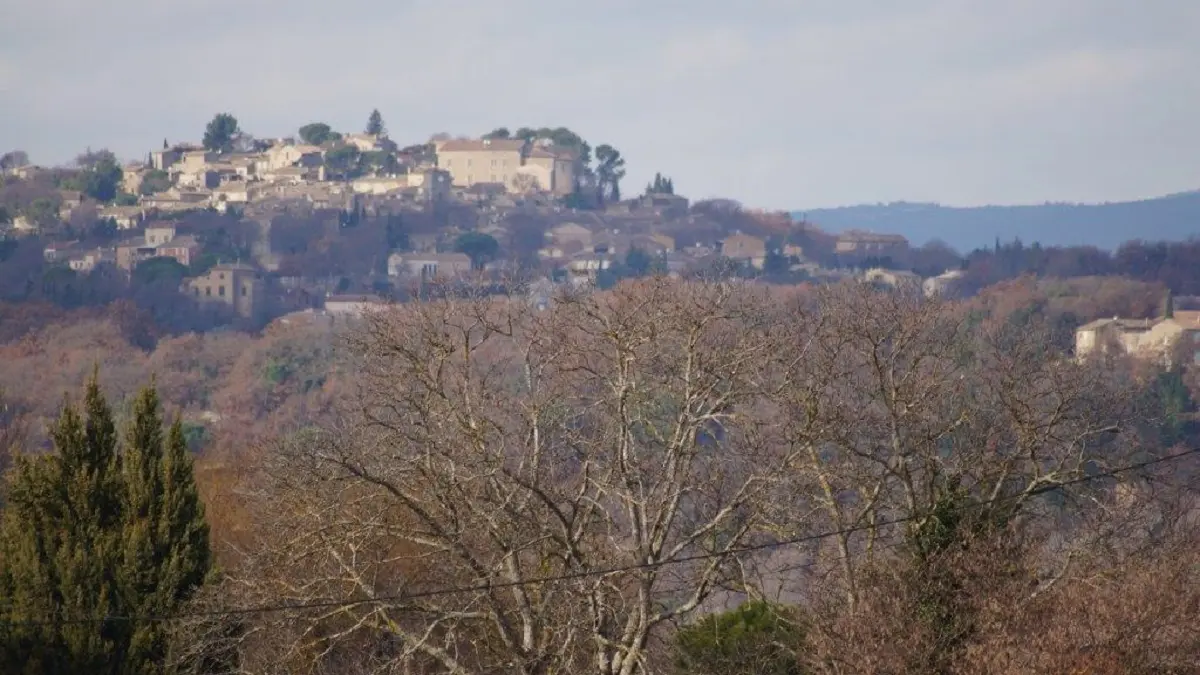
[745, 248]
[859, 242]
[238, 285]
[1157, 338]
[428, 266]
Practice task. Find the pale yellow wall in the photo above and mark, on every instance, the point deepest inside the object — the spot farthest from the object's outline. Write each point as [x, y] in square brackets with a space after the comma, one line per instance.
[467, 168]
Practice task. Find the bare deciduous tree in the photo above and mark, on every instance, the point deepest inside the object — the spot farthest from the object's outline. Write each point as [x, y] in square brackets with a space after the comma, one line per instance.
[613, 440]
[515, 490]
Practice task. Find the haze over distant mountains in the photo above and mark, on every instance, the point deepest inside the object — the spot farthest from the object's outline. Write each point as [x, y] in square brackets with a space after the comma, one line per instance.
[1171, 217]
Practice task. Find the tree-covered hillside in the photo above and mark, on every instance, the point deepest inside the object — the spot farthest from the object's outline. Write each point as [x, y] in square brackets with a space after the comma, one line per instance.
[1105, 225]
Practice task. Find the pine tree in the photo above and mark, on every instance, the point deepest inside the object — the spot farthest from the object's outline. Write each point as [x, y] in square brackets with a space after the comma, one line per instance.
[58, 540]
[375, 124]
[1169, 305]
[165, 548]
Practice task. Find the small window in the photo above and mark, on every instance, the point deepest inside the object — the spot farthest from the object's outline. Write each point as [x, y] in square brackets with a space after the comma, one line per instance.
[221, 291]
[196, 292]
[221, 276]
[243, 291]
[208, 291]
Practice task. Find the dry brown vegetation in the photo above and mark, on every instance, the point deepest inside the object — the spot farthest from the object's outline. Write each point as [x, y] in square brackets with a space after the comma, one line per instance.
[473, 486]
[507, 490]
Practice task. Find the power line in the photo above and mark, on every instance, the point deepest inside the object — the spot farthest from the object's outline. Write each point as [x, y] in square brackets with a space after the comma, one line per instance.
[583, 574]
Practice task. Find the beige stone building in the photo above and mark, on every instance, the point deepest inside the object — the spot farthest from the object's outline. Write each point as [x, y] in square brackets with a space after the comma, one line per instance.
[428, 265]
[517, 165]
[746, 248]
[470, 162]
[1158, 338]
[281, 156]
[237, 285]
[858, 242]
[891, 278]
[160, 240]
[552, 168]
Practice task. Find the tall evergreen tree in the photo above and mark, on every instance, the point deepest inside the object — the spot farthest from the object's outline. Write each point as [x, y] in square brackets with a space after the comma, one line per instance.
[91, 536]
[375, 123]
[165, 548]
[58, 541]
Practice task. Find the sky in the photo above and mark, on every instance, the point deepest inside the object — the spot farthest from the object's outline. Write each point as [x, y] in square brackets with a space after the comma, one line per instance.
[779, 104]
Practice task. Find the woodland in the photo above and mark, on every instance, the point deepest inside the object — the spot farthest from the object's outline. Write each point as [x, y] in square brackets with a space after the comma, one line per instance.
[667, 477]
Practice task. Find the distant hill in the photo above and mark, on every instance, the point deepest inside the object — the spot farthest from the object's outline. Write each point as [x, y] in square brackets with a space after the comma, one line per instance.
[1173, 217]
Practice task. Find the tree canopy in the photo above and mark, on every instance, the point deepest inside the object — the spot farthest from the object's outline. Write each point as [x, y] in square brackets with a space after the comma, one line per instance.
[14, 159]
[661, 185]
[610, 169]
[221, 132]
[102, 527]
[481, 247]
[317, 133]
[375, 123]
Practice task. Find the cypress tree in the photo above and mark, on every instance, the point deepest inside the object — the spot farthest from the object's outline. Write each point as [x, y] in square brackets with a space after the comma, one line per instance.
[58, 541]
[165, 547]
[91, 537]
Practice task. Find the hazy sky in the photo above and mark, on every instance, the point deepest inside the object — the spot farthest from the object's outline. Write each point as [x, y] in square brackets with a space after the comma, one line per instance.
[777, 103]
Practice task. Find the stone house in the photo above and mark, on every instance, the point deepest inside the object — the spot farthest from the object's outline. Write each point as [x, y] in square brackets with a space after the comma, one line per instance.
[481, 161]
[166, 158]
[571, 232]
[428, 265]
[858, 242]
[352, 305]
[132, 177]
[432, 184]
[288, 155]
[126, 217]
[88, 261]
[236, 192]
[891, 278]
[1157, 338]
[369, 142]
[238, 285]
[379, 185]
[183, 248]
[745, 248]
[552, 168]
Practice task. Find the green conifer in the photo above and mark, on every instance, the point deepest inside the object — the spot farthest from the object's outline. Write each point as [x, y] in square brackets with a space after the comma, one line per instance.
[165, 548]
[58, 541]
[92, 536]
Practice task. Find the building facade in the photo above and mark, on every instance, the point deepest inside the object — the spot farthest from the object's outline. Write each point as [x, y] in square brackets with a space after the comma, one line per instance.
[238, 285]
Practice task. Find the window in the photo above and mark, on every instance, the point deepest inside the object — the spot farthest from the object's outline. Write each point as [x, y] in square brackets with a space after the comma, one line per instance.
[196, 291]
[221, 276]
[221, 291]
[493, 163]
[243, 291]
[208, 291]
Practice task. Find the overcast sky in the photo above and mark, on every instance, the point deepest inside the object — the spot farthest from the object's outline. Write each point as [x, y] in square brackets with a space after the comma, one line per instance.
[776, 103]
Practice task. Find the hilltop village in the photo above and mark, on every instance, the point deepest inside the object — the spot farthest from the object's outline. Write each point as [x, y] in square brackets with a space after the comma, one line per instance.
[249, 228]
